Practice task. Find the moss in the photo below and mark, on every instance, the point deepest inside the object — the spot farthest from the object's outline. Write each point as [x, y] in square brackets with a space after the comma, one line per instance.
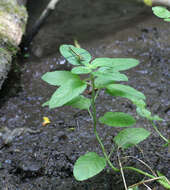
[4, 38]
[8, 45]
[4, 52]
[19, 12]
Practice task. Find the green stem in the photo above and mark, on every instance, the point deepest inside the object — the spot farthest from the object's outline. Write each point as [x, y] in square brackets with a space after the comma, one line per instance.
[94, 117]
[156, 129]
[95, 124]
[138, 171]
[161, 181]
[97, 93]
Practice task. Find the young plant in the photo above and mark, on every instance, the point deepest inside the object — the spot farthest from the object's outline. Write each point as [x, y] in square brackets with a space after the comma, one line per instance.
[102, 73]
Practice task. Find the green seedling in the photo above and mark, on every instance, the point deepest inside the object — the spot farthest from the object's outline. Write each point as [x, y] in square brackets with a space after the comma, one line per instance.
[103, 73]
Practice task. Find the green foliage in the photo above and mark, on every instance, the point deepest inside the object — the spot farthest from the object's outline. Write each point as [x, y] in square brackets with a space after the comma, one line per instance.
[66, 93]
[102, 79]
[115, 64]
[125, 92]
[75, 56]
[88, 166]
[163, 180]
[161, 12]
[58, 78]
[103, 73]
[143, 112]
[81, 70]
[130, 137]
[117, 119]
[80, 102]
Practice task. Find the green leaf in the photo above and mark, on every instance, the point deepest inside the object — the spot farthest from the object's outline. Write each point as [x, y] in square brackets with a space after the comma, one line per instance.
[117, 119]
[74, 55]
[161, 12]
[143, 112]
[117, 64]
[66, 93]
[167, 144]
[101, 82]
[130, 137]
[116, 76]
[104, 79]
[80, 102]
[167, 19]
[164, 182]
[81, 70]
[88, 166]
[46, 103]
[59, 77]
[124, 91]
[139, 103]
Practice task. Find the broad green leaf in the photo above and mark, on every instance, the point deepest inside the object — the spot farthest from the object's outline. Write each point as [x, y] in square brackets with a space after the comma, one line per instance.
[59, 77]
[124, 91]
[117, 64]
[130, 137]
[161, 12]
[66, 93]
[81, 70]
[80, 102]
[117, 119]
[105, 79]
[116, 75]
[74, 55]
[88, 166]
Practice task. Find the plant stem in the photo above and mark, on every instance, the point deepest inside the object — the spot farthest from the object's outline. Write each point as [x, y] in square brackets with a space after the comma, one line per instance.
[94, 117]
[156, 129]
[138, 171]
[95, 123]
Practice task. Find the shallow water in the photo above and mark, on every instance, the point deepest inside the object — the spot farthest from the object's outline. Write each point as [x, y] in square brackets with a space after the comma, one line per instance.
[107, 29]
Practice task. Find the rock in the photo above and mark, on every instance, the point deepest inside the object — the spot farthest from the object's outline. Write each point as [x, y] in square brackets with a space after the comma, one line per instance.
[29, 168]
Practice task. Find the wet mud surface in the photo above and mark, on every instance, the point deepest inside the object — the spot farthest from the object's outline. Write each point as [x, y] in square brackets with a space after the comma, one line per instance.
[42, 157]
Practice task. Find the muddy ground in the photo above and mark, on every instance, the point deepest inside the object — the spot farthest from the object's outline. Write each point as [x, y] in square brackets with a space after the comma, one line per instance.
[42, 158]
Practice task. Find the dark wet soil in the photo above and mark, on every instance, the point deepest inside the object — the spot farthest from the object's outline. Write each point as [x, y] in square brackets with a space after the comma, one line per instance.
[44, 160]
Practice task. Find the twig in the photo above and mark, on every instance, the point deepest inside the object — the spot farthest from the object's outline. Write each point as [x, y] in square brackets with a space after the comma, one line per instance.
[121, 170]
[142, 163]
[147, 181]
[38, 24]
[156, 129]
[147, 186]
